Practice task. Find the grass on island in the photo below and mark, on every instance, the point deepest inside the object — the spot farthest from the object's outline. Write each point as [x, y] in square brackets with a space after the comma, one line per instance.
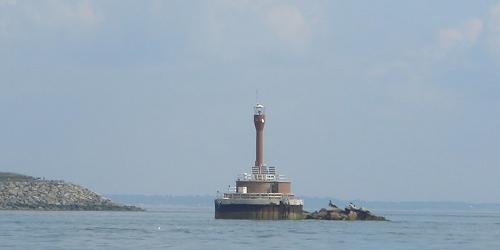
[6, 176]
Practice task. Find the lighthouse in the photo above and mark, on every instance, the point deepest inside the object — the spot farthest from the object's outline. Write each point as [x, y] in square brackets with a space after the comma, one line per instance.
[264, 194]
[259, 119]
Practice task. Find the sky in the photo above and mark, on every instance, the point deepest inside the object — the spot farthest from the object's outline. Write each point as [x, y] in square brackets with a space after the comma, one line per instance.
[383, 100]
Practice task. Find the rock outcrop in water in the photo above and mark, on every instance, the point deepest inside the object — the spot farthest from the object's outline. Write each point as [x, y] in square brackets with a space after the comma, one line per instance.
[350, 212]
[20, 192]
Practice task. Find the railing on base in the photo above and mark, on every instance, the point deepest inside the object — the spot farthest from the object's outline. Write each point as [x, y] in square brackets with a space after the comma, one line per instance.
[257, 196]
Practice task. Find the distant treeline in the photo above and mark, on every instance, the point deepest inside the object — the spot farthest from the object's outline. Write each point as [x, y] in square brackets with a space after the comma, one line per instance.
[7, 176]
[311, 203]
[158, 200]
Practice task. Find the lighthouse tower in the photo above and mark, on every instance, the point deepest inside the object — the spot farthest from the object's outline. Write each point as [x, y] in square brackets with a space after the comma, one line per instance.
[262, 194]
[260, 171]
[259, 119]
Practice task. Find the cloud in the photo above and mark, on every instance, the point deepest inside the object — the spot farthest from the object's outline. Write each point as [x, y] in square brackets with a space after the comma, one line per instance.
[251, 30]
[8, 2]
[48, 14]
[6, 9]
[288, 24]
[420, 64]
[79, 12]
[465, 35]
[469, 33]
[449, 37]
[40, 26]
[472, 29]
[493, 30]
[412, 78]
[495, 12]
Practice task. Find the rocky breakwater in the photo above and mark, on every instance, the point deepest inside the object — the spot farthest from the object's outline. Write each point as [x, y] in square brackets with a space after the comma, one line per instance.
[19, 192]
[350, 212]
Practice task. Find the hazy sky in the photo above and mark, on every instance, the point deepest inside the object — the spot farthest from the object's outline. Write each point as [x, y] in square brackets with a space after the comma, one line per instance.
[377, 100]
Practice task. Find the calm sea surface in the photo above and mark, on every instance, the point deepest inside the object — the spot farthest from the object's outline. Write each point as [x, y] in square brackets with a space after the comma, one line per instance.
[195, 228]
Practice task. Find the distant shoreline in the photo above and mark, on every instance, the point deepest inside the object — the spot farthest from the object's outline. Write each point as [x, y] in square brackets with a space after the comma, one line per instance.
[311, 203]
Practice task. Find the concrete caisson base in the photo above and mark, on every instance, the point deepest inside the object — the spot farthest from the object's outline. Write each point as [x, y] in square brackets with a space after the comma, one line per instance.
[258, 211]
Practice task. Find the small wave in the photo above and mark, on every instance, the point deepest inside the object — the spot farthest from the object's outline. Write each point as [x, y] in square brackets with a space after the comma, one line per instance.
[300, 232]
[114, 229]
[180, 230]
[267, 236]
[397, 233]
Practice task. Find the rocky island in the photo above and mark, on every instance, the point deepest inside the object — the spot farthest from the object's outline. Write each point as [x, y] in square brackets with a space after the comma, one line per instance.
[350, 212]
[22, 192]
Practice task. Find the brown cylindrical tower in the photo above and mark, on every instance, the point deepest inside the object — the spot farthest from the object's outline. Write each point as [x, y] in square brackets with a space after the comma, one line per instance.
[259, 120]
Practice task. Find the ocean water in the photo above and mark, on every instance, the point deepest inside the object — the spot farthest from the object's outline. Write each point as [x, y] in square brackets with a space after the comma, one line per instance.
[195, 228]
